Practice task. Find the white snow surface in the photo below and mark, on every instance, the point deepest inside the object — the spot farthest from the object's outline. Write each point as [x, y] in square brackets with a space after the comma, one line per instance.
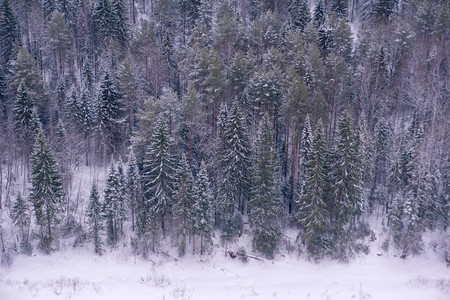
[78, 274]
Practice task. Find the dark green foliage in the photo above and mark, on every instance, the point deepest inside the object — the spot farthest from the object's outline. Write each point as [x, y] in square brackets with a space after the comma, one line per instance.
[265, 202]
[109, 113]
[184, 206]
[202, 209]
[9, 33]
[113, 205]
[235, 161]
[314, 215]
[20, 214]
[121, 28]
[319, 14]
[340, 8]
[46, 191]
[94, 214]
[133, 187]
[159, 175]
[300, 15]
[384, 9]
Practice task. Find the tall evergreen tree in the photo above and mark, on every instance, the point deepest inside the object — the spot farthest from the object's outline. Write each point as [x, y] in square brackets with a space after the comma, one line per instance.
[183, 206]
[300, 15]
[109, 116]
[95, 221]
[202, 209]
[159, 174]
[340, 8]
[314, 215]
[111, 206]
[46, 191]
[346, 195]
[121, 28]
[134, 187]
[235, 163]
[265, 203]
[319, 14]
[9, 33]
[20, 215]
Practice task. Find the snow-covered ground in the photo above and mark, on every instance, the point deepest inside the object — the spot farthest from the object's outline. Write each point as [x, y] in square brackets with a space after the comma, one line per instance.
[78, 274]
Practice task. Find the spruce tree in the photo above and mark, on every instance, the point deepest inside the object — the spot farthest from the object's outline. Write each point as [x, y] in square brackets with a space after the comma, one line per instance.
[314, 215]
[111, 206]
[346, 195]
[109, 116]
[202, 209]
[340, 8]
[134, 187]
[25, 126]
[300, 15]
[104, 20]
[121, 28]
[94, 214]
[9, 33]
[183, 206]
[235, 163]
[265, 203]
[20, 215]
[159, 174]
[319, 14]
[46, 191]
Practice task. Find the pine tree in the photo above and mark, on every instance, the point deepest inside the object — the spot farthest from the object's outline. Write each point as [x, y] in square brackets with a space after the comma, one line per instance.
[111, 206]
[108, 116]
[9, 33]
[48, 6]
[264, 206]
[104, 20]
[61, 149]
[383, 9]
[121, 194]
[340, 8]
[46, 191]
[94, 214]
[378, 192]
[121, 28]
[134, 187]
[314, 215]
[319, 14]
[346, 196]
[202, 209]
[159, 174]
[300, 15]
[305, 150]
[183, 206]
[24, 121]
[235, 163]
[20, 215]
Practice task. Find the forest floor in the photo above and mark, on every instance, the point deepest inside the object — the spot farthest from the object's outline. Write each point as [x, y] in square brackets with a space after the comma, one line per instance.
[79, 274]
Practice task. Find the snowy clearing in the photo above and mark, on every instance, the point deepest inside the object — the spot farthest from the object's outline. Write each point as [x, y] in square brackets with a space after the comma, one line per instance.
[77, 274]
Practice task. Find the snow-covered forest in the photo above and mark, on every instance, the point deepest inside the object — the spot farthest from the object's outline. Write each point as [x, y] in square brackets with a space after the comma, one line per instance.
[262, 129]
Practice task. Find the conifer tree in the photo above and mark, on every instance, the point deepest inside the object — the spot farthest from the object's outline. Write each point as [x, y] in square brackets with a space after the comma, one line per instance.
[109, 115]
[159, 174]
[24, 121]
[340, 8]
[183, 206]
[111, 206]
[48, 6]
[319, 14]
[95, 221]
[346, 195]
[235, 163]
[46, 191]
[305, 150]
[121, 27]
[104, 20]
[134, 187]
[300, 15]
[20, 215]
[9, 33]
[202, 209]
[265, 203]
[314, 215]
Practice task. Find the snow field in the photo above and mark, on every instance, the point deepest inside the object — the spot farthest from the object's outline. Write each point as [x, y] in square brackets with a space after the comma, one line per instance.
[78, 274]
